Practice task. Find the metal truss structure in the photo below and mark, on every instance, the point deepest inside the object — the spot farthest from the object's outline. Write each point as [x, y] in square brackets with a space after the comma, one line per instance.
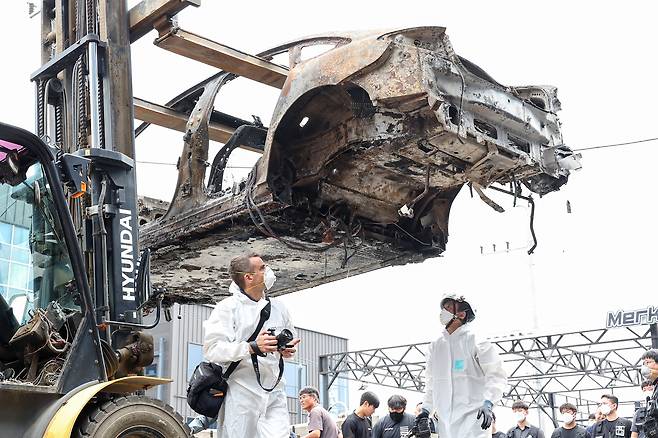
[542, 369]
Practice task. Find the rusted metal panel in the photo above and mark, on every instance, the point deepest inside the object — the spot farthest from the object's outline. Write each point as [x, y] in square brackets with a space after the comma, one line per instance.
[368, 146]
[218, 55]
[143, 16]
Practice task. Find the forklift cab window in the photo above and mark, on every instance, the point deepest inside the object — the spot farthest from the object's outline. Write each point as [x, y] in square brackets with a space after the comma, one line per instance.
[35, 268]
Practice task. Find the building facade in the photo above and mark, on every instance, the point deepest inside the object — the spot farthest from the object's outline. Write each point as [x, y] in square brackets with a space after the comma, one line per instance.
[179, 349]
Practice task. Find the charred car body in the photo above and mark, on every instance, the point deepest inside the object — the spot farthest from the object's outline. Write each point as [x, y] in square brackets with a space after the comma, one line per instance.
[368, 146]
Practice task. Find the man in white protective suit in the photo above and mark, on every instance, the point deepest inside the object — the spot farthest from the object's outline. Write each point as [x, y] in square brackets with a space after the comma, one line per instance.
[249, 410]
[464, 376]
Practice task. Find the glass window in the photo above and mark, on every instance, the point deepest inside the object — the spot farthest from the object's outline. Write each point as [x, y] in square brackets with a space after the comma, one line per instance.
[18, 275]
[151, 370]
[295, 376]
[5, 249]
[21, 255]
[21, 236]
[34, 259]
[338, 396]
[5, 230]
[194, 357]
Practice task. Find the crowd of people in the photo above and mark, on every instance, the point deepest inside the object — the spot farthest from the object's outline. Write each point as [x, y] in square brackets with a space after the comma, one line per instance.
[605, 422]
[464, 376]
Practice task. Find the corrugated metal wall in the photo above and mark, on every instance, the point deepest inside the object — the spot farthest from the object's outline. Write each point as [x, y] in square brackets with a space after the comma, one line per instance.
[189, 329]
[313, 345]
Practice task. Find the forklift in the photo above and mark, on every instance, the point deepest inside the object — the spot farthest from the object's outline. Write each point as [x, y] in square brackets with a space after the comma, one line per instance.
[73, 345]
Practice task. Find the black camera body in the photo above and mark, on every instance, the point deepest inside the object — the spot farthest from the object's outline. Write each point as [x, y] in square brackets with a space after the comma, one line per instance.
[283, 338]
[421, 429]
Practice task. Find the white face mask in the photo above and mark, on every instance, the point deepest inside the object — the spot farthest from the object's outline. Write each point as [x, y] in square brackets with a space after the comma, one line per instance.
[645, 371]
[269, 278]
[567, 418]
[519, 416]
[605, 409]
[445, 317]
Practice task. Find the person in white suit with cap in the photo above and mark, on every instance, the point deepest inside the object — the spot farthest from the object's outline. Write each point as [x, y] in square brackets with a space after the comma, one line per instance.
[464, 375]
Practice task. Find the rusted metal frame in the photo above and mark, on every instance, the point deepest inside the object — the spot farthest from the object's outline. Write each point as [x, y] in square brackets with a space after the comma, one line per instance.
[190, 188]
[209, 52]
[143, 16]
[168, 118]
[246, 136]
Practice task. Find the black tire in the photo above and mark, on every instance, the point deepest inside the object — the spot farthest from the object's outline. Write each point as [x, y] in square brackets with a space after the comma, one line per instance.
[133, 416]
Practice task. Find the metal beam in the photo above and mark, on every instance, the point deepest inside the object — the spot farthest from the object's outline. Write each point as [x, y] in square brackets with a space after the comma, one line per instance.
[209, 52]
[168, 118]
[564, 364]
[143, 16]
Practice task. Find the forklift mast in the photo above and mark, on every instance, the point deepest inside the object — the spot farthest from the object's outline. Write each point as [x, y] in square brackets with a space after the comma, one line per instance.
[84, 110]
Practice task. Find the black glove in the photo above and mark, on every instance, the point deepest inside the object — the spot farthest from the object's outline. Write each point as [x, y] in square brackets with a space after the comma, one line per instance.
[424, 413]
[486, 413]
[421, 427]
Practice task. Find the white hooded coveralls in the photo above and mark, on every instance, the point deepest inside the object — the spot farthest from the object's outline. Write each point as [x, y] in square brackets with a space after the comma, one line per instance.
[248, 410]
[460, 374]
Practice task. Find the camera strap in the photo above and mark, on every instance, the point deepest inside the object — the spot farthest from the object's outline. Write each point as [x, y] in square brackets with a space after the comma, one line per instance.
[254, 361]
[264, 316]
[254, 357]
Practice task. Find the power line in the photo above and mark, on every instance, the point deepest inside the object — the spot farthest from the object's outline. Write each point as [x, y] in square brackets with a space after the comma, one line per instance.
[589, 148]
[173, 164]
[616, 144]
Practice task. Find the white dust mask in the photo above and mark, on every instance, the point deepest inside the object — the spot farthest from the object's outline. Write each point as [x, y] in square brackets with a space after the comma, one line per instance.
[645, 371]
[269, 278]
[567, 418]
[605, 409]
[519, 416]
[445, 317]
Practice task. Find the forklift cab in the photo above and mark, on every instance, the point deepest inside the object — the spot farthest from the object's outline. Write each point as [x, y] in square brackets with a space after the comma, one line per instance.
[58, 363]
[35, 267]
[44, 293]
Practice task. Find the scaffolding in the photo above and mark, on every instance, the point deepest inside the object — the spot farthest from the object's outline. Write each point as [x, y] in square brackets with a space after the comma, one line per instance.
[544, 370]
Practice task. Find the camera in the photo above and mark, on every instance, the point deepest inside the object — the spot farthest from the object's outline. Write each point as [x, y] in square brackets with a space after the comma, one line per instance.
[421, 429]
[283, 338]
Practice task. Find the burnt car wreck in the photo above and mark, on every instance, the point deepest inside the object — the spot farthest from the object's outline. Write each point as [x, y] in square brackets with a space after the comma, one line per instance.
[369, 144]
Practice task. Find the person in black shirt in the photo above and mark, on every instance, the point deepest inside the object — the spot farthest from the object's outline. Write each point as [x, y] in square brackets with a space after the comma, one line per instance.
[396, 424]
[569, 427]
[640, 414]
[649, 371]
[523, 429]
[613, 426]
[358, 424]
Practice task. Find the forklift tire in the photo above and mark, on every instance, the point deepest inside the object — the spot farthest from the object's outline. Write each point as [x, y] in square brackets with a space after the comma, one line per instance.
[132, 416]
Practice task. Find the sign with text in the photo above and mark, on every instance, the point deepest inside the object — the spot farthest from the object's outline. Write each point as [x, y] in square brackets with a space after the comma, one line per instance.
[621, 318]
